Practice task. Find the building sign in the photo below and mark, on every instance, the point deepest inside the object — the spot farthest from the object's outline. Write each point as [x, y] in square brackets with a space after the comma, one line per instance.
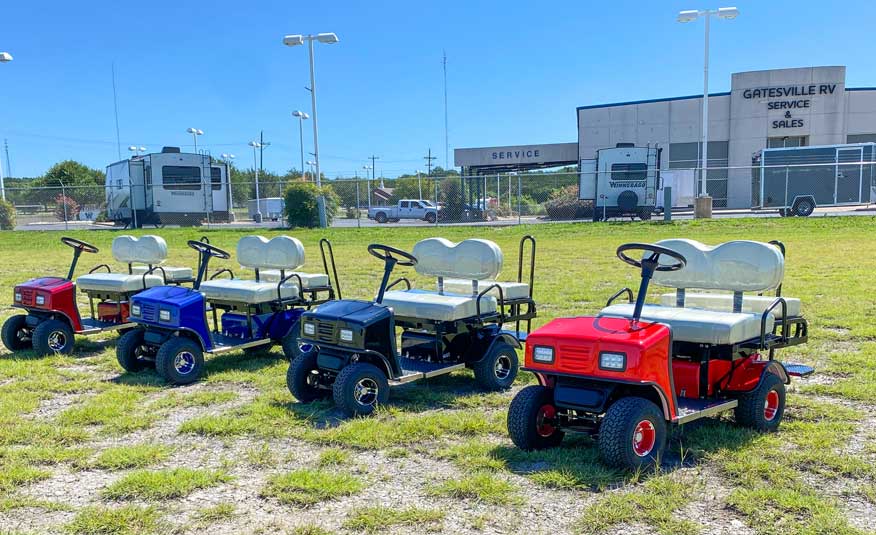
[788, 98]
[518, 155]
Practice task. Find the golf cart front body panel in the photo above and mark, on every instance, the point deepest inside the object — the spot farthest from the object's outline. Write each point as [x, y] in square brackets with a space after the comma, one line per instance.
[181, 309]
[47, 295]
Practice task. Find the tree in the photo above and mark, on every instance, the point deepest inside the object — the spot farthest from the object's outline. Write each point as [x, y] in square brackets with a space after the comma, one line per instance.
[301, 204]
[81, 183]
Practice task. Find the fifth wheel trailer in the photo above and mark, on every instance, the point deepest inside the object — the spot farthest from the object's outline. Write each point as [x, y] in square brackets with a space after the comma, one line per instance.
[170, 187]
[796, 180]
[622, 180]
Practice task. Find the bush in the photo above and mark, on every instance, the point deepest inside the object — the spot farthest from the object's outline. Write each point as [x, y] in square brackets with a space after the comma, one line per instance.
[301, 204]
[71, 213]
[7, 215]
[565, 204]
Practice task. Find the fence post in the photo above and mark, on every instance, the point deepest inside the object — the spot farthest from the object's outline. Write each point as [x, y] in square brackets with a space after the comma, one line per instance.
[358, 213]
[519, 194]
[437, 206]
[64, 203]
[667, 203]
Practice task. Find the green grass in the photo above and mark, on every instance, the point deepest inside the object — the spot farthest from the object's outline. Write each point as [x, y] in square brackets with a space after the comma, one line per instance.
[13, 475]
[216, 513]
[307, 486]
[333, 457]
[380, 518]
[125, 520]
[481, 487]
[163, 484]
[133, 456]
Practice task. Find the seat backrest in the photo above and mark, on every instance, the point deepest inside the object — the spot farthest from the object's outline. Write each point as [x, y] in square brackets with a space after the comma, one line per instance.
[280, 252]
[472, 259]
[147, 249]
[738, 266]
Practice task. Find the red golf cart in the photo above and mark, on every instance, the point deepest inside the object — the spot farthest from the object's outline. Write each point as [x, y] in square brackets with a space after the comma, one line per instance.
[631, 373]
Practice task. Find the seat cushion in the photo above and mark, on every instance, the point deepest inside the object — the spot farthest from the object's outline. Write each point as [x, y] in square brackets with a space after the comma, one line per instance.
[116, 282]
[309, 280]
[173, 274]
[755, 304]
[433, 306]
[698, 325]
[246, 291]
[510, 290]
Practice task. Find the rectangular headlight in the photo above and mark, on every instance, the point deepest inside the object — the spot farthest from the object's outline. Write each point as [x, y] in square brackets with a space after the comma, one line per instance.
[346, 335]
[543, 354]
[164, 315]
[309, 328]
[40, 300]
[135, 310]
[18, 296]
[613, 361]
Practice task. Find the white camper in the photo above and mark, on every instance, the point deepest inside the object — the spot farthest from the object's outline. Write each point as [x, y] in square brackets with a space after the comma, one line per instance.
[621, 180]
[170, 187]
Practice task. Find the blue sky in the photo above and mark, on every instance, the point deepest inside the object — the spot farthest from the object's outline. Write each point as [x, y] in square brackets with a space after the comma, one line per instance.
[516, 71]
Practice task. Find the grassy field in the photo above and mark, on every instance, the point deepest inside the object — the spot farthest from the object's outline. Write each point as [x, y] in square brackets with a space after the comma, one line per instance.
[85, 448]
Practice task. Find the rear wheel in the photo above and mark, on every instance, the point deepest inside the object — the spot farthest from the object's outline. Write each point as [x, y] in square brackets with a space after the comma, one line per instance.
[360, 388]
[180, 361]
[130, 352]
[302, 378]
[632, 434]
[532, 419]
[380, 217]
[804, 207]
[763, 407]
[497, 370]
[53, 336]
[15, 334]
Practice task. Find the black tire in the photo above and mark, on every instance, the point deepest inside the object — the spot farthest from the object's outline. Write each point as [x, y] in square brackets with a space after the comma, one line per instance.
[804, 207]
[291, 347]
[130, 352]
[763, 408]
[532, 421]
[786, 212]
[15, 334]
[380, 217]
[53, 336]
[348, 389]
[180, 361]
[430, 218]
[498, 369]
[645, 215]
[300, 378]
[625, 420]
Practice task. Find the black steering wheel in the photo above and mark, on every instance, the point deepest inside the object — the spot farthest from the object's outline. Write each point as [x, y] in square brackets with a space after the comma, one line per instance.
[209, 250]
[385, 252]
[656, 251]
[79, 244]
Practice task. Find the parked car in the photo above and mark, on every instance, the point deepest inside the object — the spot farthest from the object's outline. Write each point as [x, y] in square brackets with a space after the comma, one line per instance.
[406, 209]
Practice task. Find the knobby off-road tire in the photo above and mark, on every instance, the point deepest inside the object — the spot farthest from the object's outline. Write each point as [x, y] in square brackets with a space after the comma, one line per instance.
[360, 388]
[498, 369]
[129, 352]
[180, 361]
[632, 434]
[763, 408]
[15, 334]
[53, 336]
[532, 421]
[300, 378]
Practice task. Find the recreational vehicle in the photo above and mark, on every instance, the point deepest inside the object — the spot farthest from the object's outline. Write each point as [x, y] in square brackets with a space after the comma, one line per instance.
[622, 180]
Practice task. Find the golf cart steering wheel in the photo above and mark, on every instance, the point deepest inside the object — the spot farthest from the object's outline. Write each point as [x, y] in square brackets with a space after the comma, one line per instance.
[385, 252]
[209, 250]
[79, 244]
[656, 251]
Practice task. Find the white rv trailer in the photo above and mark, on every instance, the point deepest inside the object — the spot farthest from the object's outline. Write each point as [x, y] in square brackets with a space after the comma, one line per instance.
[170, 187]
[621, 180]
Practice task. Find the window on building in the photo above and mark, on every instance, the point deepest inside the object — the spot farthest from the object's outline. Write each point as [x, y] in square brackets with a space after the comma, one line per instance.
[787, 141]
[629, 171]
[181, 177]
[861, 138]
[216, 178]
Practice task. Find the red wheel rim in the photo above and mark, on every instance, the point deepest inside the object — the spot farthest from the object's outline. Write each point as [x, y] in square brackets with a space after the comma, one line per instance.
[771, 406]
[545, 419]
[644, 438]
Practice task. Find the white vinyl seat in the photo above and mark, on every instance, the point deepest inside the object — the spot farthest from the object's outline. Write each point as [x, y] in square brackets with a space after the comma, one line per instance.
[755, 304]
[308, 280]
[173, 274]
[435, 306]
[510, 290]
[148, 249]
[246, 291]
[698, 325]
[116, 282]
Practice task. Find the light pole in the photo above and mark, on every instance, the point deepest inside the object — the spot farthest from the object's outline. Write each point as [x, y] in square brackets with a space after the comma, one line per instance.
[367, 185]
[311, 164]
[257, 216]
[301, 118]
[420, 184]
[691, 16]
[195, 132]
[295, 40]
[5, 57]
[136, 150]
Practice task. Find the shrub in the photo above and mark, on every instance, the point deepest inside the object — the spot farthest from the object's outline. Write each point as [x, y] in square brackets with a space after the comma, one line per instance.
[7, 215]
[301, 204]
[565, 204]
[70, 213]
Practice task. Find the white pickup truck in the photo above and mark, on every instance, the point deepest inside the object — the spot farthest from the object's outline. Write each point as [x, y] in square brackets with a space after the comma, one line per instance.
[406, 209]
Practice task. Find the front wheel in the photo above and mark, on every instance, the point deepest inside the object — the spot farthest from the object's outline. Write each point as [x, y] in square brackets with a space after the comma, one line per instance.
[291, 347]
[645, 215]
[53, 336]
[763, 408]
[498, 369]
[302, 378]
[532, 419]
[130, 351]
[632, 434]
[431, 218]
[15, 334]
[804, 207]
[180, 361]
[360, 388]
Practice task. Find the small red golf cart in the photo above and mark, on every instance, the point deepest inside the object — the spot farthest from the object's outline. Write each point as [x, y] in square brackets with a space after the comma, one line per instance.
[634, 371]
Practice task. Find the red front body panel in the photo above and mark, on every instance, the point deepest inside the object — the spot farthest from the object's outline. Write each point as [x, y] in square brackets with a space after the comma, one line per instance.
[577, 343]
[59, 295]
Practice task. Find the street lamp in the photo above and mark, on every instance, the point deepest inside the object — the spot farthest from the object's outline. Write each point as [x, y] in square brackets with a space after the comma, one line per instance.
[295, 40]
[692, 15]
[301, 118]
[257, 217]
[195, 132]
[5, 57]
[136, 150]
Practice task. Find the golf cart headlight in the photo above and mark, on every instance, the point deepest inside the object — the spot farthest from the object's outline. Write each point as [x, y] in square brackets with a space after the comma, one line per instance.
[543, 354]
[40, 300]
[164, 315]
[309, 329]
[135, 310]
[346, 335]
[613, 361]
[17, 297]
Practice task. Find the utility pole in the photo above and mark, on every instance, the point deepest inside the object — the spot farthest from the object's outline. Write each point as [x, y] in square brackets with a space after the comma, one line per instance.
[429, 159]
[262, 144]
[373, 175]
[8, 162]
[446, 142]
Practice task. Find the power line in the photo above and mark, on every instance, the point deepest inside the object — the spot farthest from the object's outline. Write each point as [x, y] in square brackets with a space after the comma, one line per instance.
[373, 158]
